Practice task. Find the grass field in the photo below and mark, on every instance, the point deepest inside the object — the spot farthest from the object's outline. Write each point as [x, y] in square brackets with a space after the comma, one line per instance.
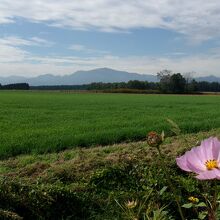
[51, 121]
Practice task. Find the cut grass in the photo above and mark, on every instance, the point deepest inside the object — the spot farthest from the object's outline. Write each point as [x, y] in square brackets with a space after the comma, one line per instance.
[40, 122]
[79, 164]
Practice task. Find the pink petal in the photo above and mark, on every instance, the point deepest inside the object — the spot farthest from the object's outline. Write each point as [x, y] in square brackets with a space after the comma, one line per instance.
[194, 162]
[218, 173]
[195, 159]
[206, 148]
[191, 162]
[182, 163]
[209, 174]
[199, 152]
[216, 149]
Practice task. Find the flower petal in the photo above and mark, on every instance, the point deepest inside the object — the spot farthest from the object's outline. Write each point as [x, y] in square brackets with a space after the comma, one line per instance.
[182, 163]
[195, 159]
[206, 148]
[194, 162]
[200, 154]
[216, 149]
[209, 174]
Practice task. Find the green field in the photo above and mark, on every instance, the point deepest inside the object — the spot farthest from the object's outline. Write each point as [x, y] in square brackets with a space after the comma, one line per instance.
[51, 121]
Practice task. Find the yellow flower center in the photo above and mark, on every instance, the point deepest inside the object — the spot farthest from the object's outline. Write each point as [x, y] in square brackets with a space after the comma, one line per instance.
[193, 199]
[211, 164]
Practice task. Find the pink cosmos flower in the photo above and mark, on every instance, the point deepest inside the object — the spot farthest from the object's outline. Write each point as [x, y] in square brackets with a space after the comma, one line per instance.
[203, 160]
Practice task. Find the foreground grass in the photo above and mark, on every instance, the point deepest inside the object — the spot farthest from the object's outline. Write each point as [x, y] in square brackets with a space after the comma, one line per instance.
[39, 122]
[85, 183]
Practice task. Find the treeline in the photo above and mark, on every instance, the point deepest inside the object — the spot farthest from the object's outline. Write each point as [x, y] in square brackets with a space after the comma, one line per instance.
[61, 87]
[175, 85]
[132, 85]
[207, 86]
[15, 86]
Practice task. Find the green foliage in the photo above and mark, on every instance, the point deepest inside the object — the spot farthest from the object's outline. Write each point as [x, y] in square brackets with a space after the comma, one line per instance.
[113, 178]
[159, 214]
[40, 201]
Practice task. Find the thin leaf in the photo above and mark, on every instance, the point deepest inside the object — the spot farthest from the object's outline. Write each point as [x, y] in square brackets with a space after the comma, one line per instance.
[174, 127]
[187, 206]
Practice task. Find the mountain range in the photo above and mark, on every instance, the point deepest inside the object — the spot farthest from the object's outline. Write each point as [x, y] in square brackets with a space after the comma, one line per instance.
[104, 75]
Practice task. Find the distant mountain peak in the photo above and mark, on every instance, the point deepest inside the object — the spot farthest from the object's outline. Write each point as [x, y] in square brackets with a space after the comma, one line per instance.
[103, 69]
[210, 78]
[104, 74]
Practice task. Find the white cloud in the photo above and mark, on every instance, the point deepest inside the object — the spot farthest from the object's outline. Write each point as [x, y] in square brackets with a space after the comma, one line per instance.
[37, 41]
[17, 41]
[197, 19]
[11, 50]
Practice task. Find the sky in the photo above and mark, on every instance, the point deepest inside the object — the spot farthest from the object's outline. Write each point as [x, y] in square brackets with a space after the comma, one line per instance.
[144, 36]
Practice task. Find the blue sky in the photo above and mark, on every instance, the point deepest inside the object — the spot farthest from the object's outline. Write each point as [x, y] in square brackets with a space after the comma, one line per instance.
[145, 36]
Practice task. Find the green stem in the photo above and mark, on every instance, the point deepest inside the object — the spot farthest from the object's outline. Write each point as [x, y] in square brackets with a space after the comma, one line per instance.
[214, 201]
[171, 185]
[215, 194]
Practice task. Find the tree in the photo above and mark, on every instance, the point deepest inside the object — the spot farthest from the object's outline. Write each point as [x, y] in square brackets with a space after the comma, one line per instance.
[164, 77]
[177, 83]
[189, 78]
[171, 82]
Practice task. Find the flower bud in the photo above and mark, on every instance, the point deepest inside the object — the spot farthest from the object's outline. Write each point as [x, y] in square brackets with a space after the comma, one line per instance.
[131, 204]
[154, 139]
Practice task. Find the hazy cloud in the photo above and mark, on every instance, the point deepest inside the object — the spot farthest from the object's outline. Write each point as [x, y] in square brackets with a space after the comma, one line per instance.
[11, 54]
[19, 62]
[11, 49]
[77, 47]
[84, 49]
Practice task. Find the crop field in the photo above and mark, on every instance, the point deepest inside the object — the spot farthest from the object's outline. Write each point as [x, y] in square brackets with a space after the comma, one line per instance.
[39, 122]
